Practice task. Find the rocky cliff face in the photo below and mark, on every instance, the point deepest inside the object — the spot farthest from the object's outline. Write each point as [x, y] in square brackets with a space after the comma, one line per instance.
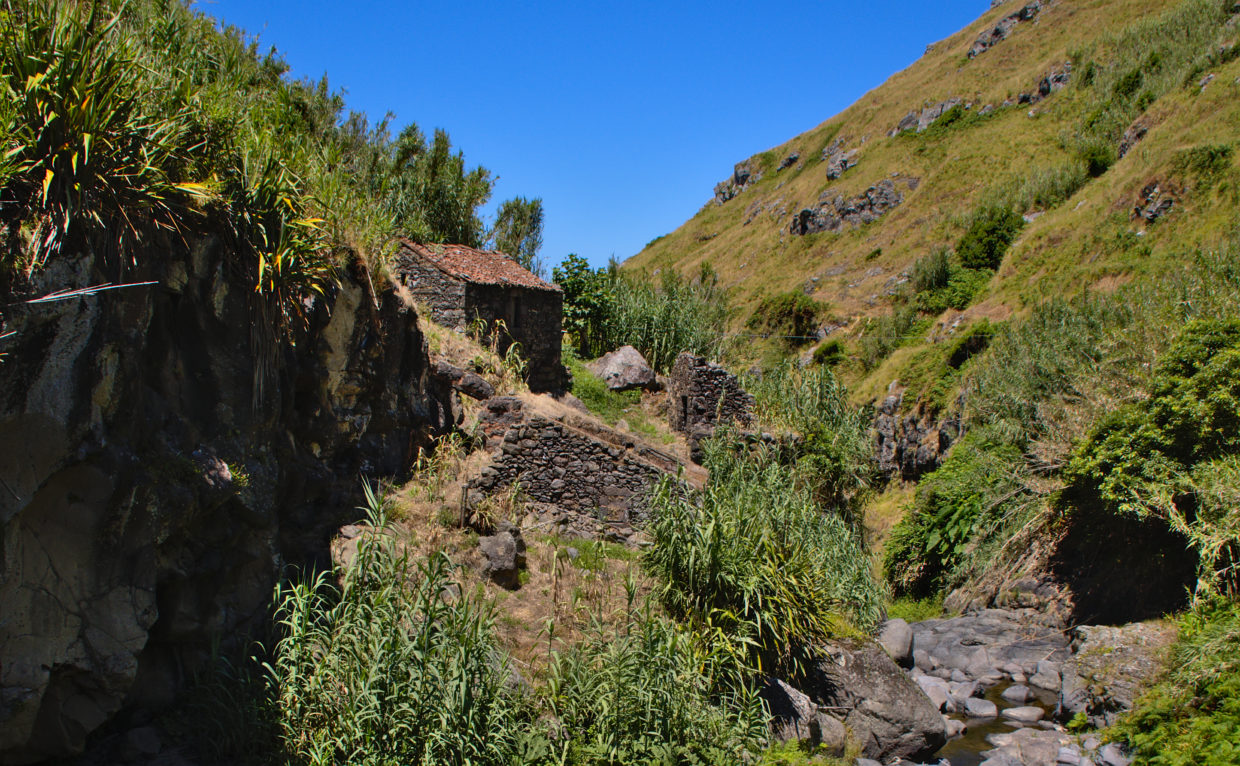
[162, 459]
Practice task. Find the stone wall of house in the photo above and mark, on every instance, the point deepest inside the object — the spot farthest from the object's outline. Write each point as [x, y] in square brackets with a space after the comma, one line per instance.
[440, 293]
[703, 394]
[579, 466]
[532, 318]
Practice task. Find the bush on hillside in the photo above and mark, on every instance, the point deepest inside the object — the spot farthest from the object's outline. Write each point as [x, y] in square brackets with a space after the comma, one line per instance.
[990, 232]
[931, 272]
[1158, 456]
[792, 315]
[830, 353]
[954, 505]
[654, 693]
[884, 334]
[754, 556]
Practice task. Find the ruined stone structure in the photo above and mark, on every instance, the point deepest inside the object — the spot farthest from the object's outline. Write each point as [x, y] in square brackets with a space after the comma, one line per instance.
[702, 395]
[461, 285]
[592, 475]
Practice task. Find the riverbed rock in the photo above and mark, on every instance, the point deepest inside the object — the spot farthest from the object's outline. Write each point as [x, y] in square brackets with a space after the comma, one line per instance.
[1016, 693]
[1024, 713]
[980, 708]
[985, 645]
[897, 638]
[884, 709]
[794, 716]
[1110, 668]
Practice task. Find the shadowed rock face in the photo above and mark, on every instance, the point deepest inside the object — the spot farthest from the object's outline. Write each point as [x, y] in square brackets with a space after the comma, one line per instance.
[162, 457]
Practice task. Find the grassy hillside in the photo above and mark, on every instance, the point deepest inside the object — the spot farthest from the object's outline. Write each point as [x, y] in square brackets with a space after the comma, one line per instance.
[1131, 63]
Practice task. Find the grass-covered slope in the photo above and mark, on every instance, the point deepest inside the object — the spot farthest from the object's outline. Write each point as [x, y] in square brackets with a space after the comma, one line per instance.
[1056, 162]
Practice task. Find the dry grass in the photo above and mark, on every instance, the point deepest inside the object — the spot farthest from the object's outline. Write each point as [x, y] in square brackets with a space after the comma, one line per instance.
[1085, 241]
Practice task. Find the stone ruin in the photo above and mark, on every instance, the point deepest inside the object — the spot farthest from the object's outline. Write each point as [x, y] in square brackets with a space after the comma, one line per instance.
[582, 479]
[703, 395]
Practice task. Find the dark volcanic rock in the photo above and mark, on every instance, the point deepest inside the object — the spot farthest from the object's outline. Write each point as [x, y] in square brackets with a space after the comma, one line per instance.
[1110, 668]
[884, 709]
[1004, 27]
[163, 452]
[831, 215]
[794, 716]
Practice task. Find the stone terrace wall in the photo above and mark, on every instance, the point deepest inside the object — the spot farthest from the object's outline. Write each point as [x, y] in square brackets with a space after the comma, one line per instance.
[579, 466]
[443, 295]
[702, 395]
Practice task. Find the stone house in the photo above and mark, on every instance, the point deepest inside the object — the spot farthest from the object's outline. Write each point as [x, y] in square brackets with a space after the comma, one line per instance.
[461, 285]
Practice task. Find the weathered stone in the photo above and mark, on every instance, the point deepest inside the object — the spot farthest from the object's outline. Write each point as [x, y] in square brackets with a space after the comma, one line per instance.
[1024, 714]
[623, 369]
[504, 554]
[833, 214]
[794, 716]
[897, 638]
[1110, 668]
[1154, 202]
[884, 709]
[980, 708]
[702, 395]
[1003, 27]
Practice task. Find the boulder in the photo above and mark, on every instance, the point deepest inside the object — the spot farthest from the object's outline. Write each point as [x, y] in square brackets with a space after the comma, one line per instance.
[897, 638]
[468, 383]
[504, 554]
[980, 708]
[623, 369]
[883, 708]
[1024, 714]
[794, 716]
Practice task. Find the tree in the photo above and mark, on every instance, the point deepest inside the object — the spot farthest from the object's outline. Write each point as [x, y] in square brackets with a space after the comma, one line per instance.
[587, 302]
[432, 196]
[518, 232]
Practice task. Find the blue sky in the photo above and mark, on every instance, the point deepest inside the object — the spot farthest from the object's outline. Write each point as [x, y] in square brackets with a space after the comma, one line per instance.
[621, 115]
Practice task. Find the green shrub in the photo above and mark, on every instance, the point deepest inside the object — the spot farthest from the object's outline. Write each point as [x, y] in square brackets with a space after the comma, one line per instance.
[1193, 716]
[754, 556]
[1159, 456]
[963, 285]
[927, 548]
[990, 232]
[1205, 162]
[606, 308]
[833, 451]
[931, 272]
[830, 353]
[385, 670]
[793, 315]
[654, 693]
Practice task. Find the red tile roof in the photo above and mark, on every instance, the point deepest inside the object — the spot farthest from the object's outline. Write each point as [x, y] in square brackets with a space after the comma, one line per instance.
[480, 267]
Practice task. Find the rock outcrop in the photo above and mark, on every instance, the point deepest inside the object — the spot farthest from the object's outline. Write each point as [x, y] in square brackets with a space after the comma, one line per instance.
[1111, 667]
[832, 213]
[838, 160]
[743, 176]
[999, 32]
[1154, 202]
[915, 444]
[163, 452]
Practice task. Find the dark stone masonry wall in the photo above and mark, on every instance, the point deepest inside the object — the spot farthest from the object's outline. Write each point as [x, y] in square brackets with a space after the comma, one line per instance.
[532, 318]
[702, 395]
[601, 474]
[443, 295]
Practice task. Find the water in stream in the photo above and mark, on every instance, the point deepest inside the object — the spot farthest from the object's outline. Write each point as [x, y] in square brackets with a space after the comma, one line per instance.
[967, 749]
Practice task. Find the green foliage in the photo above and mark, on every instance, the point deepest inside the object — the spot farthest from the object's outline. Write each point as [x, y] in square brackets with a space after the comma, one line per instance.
[830, 353]
[518, 232]
[928, 546]
[793, 315]
[962, 286]
[990, 232]
[1193, 716]
[606, 308]
[91, 147]
[753, 555]
[833, 451]
[385, 670]
[655, 693]
[1143, 458]
[931, 272]
[594, 393]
